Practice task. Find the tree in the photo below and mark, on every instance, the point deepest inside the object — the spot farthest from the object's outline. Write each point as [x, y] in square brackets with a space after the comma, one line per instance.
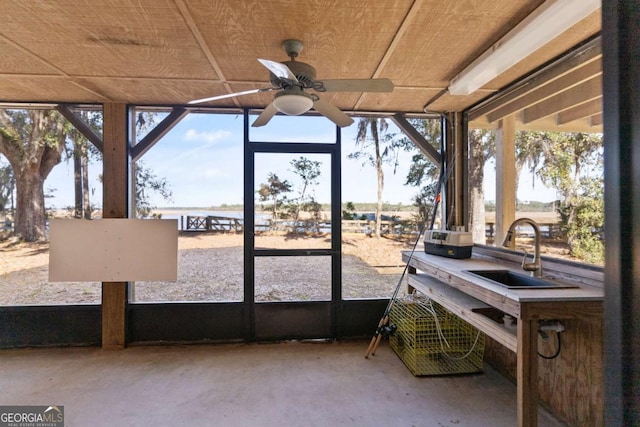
[146, 183]
[32, 141]
[313, 207]
[572, 164]
[482, 146]
[7, 185]
[309, 172]
[372, 133]
[274, 189]
[587, 230]
[530, 148]
[80, 150]
[349, 211]
[423, 173]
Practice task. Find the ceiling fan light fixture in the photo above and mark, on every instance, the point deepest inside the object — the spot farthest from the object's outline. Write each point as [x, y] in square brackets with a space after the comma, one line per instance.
[293, 104]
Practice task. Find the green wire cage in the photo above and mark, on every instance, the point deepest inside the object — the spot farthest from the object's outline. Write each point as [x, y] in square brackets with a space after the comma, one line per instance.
[431, 340]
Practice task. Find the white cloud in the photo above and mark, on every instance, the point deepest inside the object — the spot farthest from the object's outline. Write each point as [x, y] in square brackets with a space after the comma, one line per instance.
[204, 140]
[209, 137]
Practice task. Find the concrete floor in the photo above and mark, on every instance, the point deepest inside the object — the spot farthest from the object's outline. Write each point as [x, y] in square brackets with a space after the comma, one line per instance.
[281, 384]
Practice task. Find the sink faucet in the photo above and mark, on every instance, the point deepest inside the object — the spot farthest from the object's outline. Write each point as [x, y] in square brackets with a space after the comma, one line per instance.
[535, 266]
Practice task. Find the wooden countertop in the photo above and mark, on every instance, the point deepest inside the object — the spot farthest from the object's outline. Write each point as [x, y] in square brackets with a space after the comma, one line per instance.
[444, 280]
[451, 271]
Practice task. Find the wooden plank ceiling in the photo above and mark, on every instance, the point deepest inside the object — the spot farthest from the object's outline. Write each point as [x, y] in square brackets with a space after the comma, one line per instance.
[167, 52]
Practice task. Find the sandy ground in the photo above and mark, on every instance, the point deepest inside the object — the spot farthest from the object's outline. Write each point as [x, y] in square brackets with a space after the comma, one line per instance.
[210, 268]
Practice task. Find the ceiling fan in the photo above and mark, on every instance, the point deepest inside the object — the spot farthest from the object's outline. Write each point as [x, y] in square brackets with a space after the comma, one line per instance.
[294, 79]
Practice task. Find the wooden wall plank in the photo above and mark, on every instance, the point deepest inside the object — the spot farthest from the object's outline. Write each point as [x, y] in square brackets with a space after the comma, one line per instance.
[571, 384]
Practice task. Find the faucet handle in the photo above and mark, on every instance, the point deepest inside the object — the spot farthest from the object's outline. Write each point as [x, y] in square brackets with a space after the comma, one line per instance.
[524, 258]
[534, 268]
[528, 266]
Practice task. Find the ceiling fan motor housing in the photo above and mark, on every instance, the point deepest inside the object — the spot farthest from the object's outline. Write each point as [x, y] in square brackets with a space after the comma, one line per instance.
[305, 73]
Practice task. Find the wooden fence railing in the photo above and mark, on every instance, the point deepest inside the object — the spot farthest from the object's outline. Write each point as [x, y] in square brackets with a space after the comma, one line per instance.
[212, 223]
[548, 230]
[236, 225]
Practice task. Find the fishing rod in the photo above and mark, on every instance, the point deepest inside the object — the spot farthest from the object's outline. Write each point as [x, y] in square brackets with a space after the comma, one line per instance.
[384, 328]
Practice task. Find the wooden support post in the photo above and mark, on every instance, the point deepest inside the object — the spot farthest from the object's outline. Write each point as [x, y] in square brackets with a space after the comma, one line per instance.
[114, 205]
[505, 177]
[411, 270]
[621, 67]
[455, 153]
[459, 195]
[527, 370]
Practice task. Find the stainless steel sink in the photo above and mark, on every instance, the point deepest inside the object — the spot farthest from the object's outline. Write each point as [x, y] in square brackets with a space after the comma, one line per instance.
[512, 280]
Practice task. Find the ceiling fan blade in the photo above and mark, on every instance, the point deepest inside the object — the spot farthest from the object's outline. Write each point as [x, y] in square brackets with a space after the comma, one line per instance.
[332, 112]
[280, 70]
[265, 116]
[229, 95]
[358, 85]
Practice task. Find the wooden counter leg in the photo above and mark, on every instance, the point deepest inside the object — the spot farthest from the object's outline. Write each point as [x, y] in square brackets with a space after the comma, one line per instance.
[527, 372]
[411, 270]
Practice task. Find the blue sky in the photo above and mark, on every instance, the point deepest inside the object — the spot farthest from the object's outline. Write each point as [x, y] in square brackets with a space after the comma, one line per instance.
[201, 159]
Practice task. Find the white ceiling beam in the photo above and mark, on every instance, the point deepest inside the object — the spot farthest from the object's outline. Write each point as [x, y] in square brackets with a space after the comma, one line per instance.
[588, 52]
[596, 120]
[584, 92]
[580, 111]
[569, 80]
[544, 24]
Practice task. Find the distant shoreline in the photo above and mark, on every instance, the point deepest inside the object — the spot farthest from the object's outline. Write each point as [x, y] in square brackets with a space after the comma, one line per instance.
[238, 213]
[490, 217]
[540, 217]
